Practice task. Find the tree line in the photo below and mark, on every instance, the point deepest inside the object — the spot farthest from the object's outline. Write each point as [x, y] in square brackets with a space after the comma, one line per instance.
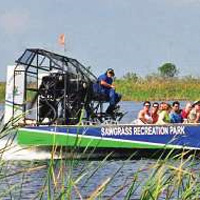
[167, 70]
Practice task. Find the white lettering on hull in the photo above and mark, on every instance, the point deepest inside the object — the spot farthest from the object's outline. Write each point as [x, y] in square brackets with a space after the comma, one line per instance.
[142, 130]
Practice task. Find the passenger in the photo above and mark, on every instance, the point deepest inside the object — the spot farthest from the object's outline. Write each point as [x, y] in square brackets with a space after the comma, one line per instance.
[154, 112]
[105, 86]
[161, 106]
[163, 115]
[194, 115]
[175, 114]
[144, 115]
[186, 111]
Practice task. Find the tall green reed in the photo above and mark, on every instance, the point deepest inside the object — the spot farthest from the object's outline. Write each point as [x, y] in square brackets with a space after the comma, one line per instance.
[170, 178]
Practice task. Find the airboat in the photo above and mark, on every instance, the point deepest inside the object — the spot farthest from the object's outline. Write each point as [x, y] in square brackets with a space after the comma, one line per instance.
[52, 98]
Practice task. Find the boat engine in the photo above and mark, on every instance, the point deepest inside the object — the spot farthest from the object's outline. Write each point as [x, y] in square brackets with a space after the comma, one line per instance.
[61, 98]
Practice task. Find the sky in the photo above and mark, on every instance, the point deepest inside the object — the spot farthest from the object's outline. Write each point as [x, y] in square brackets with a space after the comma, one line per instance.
[136, 36]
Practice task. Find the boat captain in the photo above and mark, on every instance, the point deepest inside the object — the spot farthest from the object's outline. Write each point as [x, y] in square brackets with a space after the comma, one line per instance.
[105, 87]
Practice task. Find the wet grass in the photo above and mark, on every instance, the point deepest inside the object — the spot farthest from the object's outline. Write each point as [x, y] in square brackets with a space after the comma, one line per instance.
[174, 177]
[166, 180]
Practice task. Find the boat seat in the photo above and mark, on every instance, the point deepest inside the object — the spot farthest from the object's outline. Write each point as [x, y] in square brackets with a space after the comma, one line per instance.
[99, 97]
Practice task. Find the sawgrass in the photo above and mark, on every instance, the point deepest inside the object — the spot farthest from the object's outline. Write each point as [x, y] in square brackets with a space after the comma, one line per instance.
[173, 177]
[153, 88]
[2, 92]
[159, 89]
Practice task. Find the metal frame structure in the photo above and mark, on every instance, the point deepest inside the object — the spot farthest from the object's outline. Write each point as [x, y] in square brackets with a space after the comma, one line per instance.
[76, 78]
[57, 89]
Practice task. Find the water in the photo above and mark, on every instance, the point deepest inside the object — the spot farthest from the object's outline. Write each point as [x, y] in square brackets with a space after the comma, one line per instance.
[30, 167]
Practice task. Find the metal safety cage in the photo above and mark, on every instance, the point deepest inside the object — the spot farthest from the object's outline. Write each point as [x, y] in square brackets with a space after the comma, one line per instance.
[55, 87]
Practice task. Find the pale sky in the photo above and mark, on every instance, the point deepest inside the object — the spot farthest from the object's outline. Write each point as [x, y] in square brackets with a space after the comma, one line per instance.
[127, 35]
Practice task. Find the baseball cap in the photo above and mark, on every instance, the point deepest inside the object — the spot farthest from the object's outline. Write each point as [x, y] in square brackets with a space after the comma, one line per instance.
[111, 71]
[195, 103]
[146, 103]
[155, 104]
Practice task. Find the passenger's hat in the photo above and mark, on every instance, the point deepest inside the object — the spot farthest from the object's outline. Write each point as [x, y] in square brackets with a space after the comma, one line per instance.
[155, 104]
[195, 103]
[111, 71]
[147, 103]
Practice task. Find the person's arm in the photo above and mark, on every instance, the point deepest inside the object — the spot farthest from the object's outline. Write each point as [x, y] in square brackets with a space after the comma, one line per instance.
[105, 84]
[172, 118]
[161, 117]
[197, 118]
[141, 116]
[184, 114]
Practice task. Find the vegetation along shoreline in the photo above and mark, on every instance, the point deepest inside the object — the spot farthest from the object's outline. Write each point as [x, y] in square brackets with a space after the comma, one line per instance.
[164, 85]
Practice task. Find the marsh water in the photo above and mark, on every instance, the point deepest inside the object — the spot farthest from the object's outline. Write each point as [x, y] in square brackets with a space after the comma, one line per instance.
[16, 184]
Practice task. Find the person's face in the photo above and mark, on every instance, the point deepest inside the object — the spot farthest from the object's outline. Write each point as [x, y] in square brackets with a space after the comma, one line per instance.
[109, 74]
[176, 107]
[164, 106]
[197, 106]
[147, 107]
[154, 109]
[188, 107]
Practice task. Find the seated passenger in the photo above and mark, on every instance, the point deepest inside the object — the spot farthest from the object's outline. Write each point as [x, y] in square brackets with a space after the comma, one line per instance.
[175, 114]
[163, 115]
[186, 111]
[144, 115]
[194, 115]
[161, 106]
[105, 86]
[154, 112]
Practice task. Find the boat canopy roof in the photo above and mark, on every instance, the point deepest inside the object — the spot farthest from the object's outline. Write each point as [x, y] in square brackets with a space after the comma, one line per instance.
[40, 60]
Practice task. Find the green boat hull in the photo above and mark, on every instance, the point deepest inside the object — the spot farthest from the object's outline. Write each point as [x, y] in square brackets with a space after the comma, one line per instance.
[29, 137]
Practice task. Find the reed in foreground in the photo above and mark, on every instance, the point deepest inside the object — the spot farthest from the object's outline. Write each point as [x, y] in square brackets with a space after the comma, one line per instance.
[174, 177]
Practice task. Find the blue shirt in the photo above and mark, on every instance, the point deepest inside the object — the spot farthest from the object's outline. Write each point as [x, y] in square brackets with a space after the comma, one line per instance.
[175, 117]
[98, 88]
[105, 78]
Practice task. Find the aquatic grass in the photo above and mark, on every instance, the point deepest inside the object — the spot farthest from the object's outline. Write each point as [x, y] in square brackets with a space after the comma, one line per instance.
[72, 183]
[96, 193]
[102, 187]
[153, 188]
[168, 178]
[8, 176]
[133, 186]
[159, 89]
[2, 91]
